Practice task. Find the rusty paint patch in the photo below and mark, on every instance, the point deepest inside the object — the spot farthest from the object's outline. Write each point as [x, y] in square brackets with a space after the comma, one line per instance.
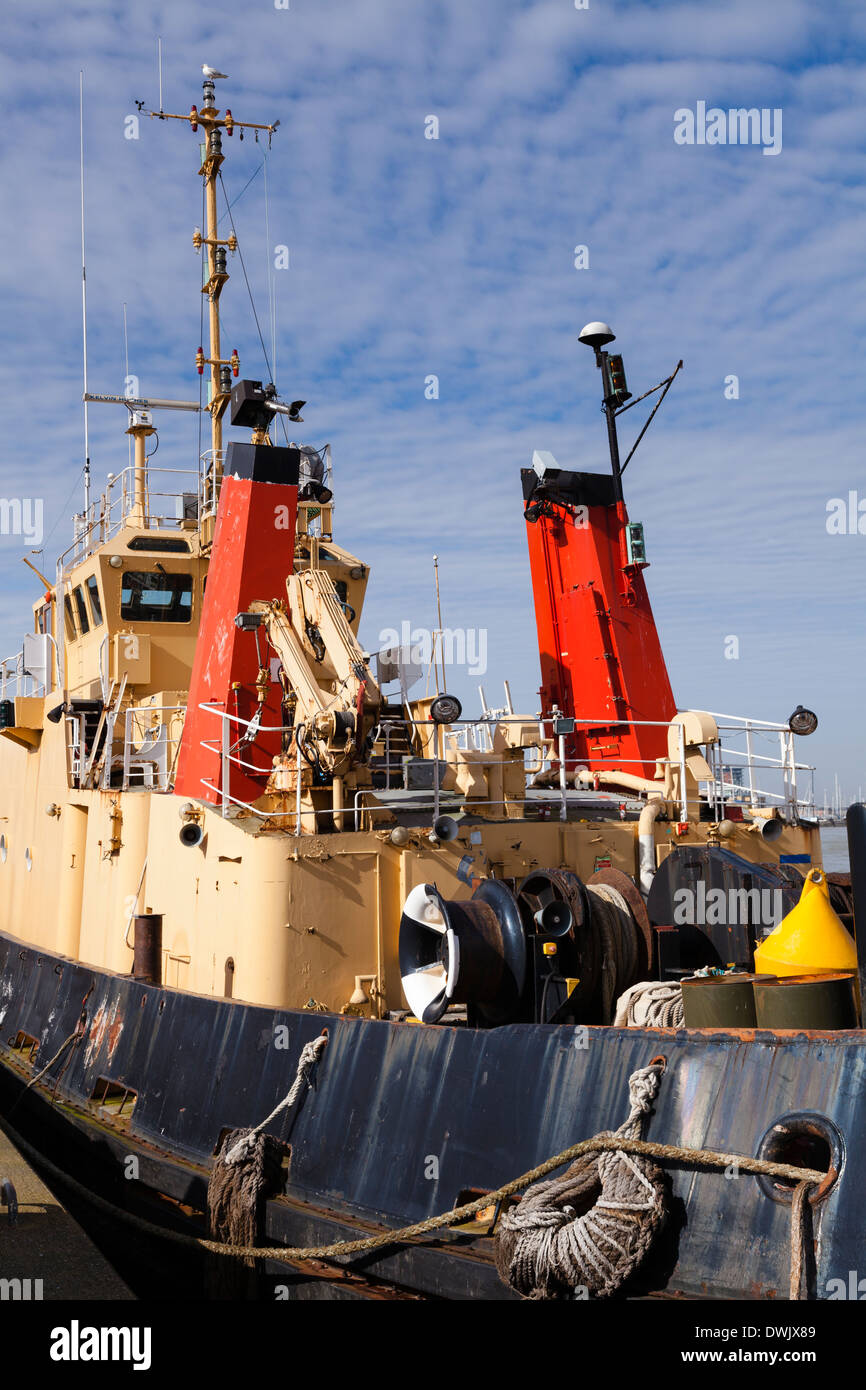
[763, 1035]
[105, 1025]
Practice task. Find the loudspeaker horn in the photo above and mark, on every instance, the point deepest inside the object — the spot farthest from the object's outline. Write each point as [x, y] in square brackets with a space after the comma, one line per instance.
[445, 828]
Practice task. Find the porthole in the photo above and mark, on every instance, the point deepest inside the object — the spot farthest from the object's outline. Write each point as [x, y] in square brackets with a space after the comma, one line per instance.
[803, 1139]
[28, 859]
[3, 849]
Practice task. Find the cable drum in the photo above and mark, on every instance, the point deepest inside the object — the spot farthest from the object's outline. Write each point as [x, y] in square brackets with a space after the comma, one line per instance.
[614, 928]
[606, 946]
[552, 950]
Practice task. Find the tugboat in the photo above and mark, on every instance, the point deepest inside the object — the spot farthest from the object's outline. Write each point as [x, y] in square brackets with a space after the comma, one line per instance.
[258, 905]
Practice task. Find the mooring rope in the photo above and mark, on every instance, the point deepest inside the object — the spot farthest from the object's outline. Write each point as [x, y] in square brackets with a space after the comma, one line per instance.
[672, 1153]
[310, 1053]
[799, 1236]
[59, 1053]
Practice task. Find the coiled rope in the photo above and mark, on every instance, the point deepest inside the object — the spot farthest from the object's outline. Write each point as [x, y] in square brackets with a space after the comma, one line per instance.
[590, 1229]
[650, 1004]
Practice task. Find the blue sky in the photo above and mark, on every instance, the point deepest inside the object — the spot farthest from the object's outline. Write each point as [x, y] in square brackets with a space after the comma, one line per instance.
[410, 257]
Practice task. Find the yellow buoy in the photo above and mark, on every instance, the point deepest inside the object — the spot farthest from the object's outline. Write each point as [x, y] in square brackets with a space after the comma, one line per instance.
[811, 939]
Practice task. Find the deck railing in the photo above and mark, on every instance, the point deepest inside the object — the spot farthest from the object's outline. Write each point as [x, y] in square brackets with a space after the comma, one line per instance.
[476, 735]
[172, 500]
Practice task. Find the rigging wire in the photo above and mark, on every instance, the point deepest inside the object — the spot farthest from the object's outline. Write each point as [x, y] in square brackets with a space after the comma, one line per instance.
[250, 293]
[252, 176]
[272, 297]
[246, 277]
[126, 380]
[62, 511]
[86, 469]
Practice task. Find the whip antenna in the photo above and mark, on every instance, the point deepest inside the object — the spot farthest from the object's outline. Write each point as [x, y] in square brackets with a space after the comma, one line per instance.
[84, 302]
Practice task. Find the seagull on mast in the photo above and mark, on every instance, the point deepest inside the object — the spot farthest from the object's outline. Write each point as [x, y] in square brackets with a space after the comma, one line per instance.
[212, 72]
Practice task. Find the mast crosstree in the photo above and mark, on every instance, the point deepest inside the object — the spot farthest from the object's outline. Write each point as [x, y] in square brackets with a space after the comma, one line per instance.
[221, 369]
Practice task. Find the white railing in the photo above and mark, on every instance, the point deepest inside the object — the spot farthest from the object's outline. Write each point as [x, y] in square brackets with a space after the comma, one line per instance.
[20, 674]
[475, 736]
[13, 678]
[76, 753]
[781, 791]
[171, 499]
[149, 750]
[735, 753]
[229, 757]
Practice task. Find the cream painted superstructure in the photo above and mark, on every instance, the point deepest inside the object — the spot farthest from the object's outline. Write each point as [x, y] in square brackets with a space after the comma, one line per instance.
[255, 910]
[271, 916]
[299, 916]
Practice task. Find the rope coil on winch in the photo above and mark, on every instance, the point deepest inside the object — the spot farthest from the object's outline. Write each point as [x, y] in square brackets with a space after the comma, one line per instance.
[651, 1004]
[612, 921]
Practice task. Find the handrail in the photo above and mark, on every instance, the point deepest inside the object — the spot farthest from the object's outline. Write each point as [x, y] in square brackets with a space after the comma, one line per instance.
[716, 789]
[118, 504]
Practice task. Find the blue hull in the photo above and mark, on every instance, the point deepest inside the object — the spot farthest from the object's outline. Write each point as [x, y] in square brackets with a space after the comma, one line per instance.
[405, 1118]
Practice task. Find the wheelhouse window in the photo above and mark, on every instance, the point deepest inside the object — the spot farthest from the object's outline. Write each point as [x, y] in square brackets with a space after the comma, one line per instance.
[69, 619]
[83, 620]
[93, 594]
[156, 597]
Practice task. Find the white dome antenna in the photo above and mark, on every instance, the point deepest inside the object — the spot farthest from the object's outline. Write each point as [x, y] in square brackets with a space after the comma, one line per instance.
[595, 335]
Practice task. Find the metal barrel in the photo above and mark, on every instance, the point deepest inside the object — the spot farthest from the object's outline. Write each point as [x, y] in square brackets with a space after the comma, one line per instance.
[822, 1002]
[147, 948]
[855, 820]
[720, 1001]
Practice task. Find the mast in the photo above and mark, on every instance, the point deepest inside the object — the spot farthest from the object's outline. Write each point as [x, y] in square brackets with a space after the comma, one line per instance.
[221, 369]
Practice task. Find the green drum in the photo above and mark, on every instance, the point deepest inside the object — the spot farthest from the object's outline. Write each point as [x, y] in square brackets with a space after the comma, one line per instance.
[720, 1001]
[806, 1001]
